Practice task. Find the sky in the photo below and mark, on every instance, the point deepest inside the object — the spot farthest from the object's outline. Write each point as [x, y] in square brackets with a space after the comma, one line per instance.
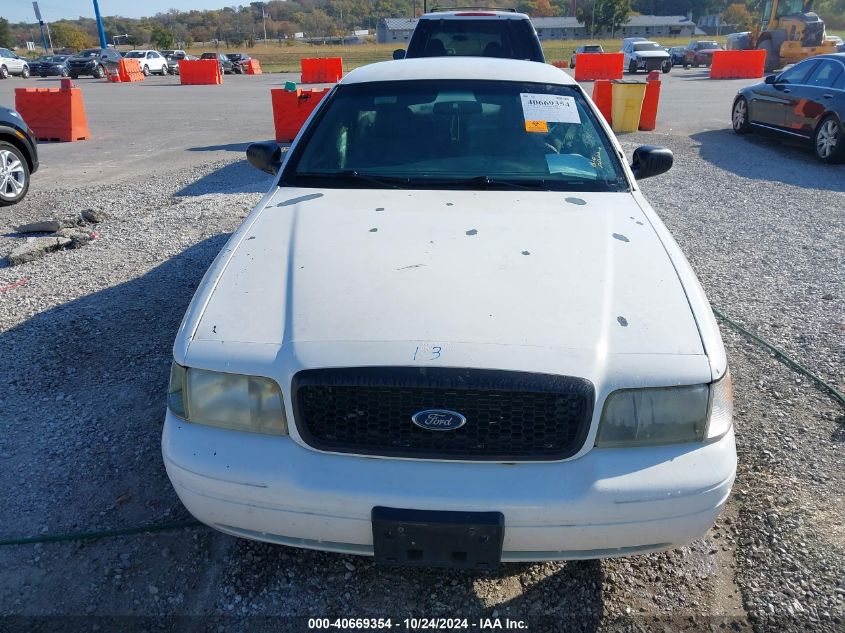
[51, 10]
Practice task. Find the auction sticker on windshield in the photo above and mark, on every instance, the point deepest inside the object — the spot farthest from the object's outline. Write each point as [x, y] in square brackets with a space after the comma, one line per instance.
[549, 108]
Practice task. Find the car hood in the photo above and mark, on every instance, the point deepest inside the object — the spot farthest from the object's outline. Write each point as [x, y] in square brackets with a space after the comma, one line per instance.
[554, 270]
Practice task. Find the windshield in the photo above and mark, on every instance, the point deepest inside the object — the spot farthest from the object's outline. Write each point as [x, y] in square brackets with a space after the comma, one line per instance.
[443, 134]
[647, 46]
[89, 53]
[592, 49]
[136, 54]
[707, 45]
[513, 39]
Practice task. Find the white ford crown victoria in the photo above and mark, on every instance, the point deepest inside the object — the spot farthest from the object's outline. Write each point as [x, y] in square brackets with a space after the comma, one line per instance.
[453, 333]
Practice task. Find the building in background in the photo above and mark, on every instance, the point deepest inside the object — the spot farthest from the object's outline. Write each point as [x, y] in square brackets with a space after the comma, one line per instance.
[398, 30]
[395, 30]
[559, 28]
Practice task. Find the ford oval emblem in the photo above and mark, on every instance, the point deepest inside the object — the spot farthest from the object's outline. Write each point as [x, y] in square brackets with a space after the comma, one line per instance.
[438, 420]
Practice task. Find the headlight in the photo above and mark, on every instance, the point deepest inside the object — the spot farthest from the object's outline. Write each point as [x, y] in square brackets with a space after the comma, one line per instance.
[666, 415]
[721, 407]
[229, 401]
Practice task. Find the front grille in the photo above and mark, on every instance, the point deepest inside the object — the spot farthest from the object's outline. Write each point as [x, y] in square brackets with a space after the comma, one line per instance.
[653, 63]
[511, 416]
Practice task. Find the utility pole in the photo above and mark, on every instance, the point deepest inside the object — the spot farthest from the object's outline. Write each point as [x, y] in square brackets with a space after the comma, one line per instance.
[41, 24]
[102, 33]
[593, 21]
[264, 22]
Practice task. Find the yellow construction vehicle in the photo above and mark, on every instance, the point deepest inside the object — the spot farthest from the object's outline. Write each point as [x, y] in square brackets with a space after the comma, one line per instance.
[789, 32]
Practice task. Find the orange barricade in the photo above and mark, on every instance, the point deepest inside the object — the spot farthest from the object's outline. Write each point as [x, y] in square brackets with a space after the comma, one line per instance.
[130, 70]
[253, 67]
[200, 72]
[648, 115]
[738, 64]
[602, 96]
[54, 114]
[291, 109]
[326, 70]
[593, 66]
[561, 64]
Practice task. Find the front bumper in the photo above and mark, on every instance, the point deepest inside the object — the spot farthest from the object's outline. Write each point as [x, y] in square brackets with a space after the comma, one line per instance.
[610, 502]
[50, 71]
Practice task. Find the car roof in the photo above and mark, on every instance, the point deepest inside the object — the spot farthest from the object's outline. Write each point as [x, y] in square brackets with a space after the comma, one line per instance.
[459, 68]
[473, 14]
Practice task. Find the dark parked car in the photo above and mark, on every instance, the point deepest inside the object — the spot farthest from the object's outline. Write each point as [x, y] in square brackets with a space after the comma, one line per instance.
[94, 62]
[806, 102]
[225, 62]
[475, 34]
[677, 55]
[173, 60]
[18, 157]
[588, 48]
[700, 53]
[50, 66]
[239, 62]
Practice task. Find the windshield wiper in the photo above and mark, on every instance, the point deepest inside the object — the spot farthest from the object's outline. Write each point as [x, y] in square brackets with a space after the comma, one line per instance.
[351, 174]
[486, 182]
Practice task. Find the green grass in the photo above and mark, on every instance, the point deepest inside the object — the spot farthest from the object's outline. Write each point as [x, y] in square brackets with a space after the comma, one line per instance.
[275, 57]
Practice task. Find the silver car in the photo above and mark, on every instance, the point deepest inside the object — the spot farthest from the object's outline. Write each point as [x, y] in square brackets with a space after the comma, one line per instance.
[11, 64]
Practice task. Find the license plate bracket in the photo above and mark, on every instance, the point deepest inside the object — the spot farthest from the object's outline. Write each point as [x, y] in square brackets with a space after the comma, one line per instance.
[438, 538]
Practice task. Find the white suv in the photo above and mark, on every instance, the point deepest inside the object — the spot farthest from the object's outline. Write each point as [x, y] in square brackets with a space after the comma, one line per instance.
[150, 61]
[476, 33]
[642, 54]
[11, 64]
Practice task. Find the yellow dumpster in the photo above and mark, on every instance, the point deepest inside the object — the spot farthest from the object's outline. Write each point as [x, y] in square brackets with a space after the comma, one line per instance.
[627, 105]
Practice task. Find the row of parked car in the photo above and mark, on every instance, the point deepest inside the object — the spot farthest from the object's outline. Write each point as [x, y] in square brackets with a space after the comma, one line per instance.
[97, 62]
[643, 54]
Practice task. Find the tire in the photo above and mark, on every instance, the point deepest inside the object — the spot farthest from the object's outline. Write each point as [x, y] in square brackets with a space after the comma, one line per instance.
[572, 62]
[4, 72]
[25, 72]
[74, 76]
[666, 67]
[829, 141]
[632, 67]
[772, 58]
[99, 72]
[15, 183]
[739, 116]
[163, 71]
[146, 71]
[65, 72]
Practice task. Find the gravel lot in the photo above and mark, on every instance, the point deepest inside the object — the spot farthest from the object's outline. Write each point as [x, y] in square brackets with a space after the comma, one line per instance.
[85, 340]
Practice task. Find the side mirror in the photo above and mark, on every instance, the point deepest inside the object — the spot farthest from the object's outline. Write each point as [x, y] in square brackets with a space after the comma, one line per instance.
[770, 79]
[399, 53]
[651, 161]
[266, 156]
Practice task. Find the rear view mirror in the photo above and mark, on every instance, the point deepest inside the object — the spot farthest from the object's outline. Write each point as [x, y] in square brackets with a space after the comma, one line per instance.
[651, 161]
[266, 156]
[399, 53]
[457, 107]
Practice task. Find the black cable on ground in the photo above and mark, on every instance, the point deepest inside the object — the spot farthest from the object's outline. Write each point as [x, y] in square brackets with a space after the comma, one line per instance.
[100, 534]
[165, 527]
[783, 357]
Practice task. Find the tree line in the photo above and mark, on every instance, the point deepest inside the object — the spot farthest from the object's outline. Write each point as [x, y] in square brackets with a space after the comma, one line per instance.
[281, 20]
